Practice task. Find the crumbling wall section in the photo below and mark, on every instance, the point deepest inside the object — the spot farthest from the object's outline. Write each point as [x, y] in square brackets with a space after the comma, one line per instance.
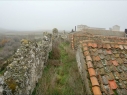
[23, 73]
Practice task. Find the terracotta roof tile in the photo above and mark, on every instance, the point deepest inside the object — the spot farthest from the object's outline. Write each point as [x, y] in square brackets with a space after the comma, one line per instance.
[110, 76]
[96, 58]
[102, 56]
[104, 46]
[107, 65]
[105, 80]
[91, 72]
[112, 45]
[109, 52]
[96, 90]
[90, 44]
[122, 55]
[88, 58]
[119, 60]
[109, 62]
[107, 57]
[113, 68]
[99, 45]
[94, 81]
[117, 55]
[121, 84]
[109, 90]
[118, 91]
[100, 51]
[125, 46]
[121, 47]
[116, 46]
[107, 70]
[98, 64]
[89, 64]
[104, 52]
[86, 53]
[102, 71]
[112, 84]
[116, 75]
[114, 51]
[94, 45]
[119, 69]
[85, 48]
[104, 62]
[108, 46]
[84, 44]
[123, 91]
[114, 62]
[123, 76]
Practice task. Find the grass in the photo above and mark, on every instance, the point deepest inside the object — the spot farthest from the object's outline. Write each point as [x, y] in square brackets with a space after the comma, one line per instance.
[63, 79]
[1, 48]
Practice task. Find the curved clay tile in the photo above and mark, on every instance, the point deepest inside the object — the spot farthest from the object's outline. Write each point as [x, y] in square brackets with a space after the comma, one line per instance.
[107, 70]
[88, 58]
[119, 69]
[121, 84]
[94, 45]
[107, 57]
[108, 46]
[105, 80]
[125, 47]
[94, 81]
[81, 42]
[104, 46]
[91, 72]
[99, 45]
[108, 90]
[89, 44]
[84, 44]
[116, 46]
[102, 56]
[96, 90]
[112, 84]
[100, 51]
[109, 62]
[89, 64]
[86, 53]
[109, 52]
[117, 76]
[119, 60]
[120, 46]
[97, 58]
[112, 45]
[115, 62]
[85, 48]
[110, 76]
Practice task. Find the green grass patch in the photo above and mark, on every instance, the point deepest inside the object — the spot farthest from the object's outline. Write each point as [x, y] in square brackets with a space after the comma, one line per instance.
[64, 79]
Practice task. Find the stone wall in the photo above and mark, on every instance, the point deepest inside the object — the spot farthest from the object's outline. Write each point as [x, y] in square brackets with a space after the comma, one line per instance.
[22, 74]
[104, 32]
[83, 70]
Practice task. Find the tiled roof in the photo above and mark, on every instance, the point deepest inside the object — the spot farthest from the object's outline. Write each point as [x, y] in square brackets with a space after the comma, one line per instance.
[76, 38]
[107, 66]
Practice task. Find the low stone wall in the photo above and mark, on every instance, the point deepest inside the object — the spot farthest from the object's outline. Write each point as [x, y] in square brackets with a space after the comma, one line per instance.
[83, 70]
[23, 73]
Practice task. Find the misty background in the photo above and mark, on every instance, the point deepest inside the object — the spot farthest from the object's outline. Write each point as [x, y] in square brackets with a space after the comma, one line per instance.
[64, 15]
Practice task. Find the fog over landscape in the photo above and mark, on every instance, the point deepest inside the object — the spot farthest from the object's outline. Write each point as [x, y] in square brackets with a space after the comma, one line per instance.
[64, 15]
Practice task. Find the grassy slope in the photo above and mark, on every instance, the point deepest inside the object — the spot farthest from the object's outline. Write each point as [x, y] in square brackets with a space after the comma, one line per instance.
[63, 79]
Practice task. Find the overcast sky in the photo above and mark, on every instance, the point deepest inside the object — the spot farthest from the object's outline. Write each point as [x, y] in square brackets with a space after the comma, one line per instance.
[64, 15]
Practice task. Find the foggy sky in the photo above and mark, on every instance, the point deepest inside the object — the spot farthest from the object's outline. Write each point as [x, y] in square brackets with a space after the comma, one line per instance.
[64, 15]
